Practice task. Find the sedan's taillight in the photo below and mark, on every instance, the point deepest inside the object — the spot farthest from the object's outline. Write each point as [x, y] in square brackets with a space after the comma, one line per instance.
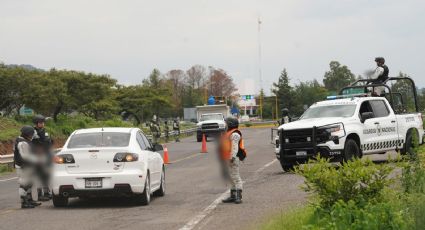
[64, 159]
[125, 157]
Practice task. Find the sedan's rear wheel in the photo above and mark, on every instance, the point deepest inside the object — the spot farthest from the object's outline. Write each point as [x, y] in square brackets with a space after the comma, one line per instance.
[60, 201]
[145, 197]
[161, 190]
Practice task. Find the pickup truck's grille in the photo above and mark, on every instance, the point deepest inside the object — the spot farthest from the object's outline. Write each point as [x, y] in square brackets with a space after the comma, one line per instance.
[210, 126]
[301, 137]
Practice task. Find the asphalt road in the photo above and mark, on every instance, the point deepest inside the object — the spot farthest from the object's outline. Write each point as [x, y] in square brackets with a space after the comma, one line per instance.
[194, 190]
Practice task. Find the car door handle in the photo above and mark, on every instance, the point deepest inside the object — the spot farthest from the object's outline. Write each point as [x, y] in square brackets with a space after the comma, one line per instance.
[392, 121]
[376, 123]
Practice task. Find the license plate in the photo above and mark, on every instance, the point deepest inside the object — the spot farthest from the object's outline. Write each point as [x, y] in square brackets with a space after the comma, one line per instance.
[94, 183]
[301, 153]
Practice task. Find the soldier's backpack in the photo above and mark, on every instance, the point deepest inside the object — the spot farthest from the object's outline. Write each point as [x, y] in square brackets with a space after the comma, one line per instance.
[242, 151]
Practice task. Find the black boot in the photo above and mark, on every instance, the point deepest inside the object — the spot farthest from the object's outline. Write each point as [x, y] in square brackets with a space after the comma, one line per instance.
[41, 195]
[26, 203]
[238, 198]
[231, 198]
[31, 201]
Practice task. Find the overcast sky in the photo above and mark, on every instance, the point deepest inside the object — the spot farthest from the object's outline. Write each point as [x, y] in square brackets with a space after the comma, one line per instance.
[128, 38]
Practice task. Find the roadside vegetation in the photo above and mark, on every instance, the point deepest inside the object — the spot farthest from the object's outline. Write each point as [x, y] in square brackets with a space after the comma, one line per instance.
[66, 124]
[360, 195]
[5, 169]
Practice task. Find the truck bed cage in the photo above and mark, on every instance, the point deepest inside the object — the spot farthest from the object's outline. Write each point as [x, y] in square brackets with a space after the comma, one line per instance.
[368, 83]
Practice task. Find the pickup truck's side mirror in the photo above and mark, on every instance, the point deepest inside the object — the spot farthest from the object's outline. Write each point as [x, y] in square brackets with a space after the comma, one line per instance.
[366, 115]
[158, 147]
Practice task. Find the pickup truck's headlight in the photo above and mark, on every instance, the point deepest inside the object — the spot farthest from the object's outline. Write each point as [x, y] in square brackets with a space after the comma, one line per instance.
[221, 126]
[199, 127]
[336, 130]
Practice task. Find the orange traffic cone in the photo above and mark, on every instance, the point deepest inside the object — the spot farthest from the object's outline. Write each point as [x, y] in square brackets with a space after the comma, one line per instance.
[204, 144]
[166, 160]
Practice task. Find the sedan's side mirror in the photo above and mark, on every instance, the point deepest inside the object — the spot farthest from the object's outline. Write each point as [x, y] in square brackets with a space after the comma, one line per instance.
[366, 115]
[158, 147]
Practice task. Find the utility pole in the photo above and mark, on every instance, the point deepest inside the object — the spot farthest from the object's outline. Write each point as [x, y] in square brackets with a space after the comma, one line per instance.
[277, 110]
[259, 68]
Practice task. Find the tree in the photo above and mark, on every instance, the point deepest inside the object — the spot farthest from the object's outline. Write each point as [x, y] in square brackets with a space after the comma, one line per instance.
[338, 77]
[195, 86]
[176, 83]
[283, 91]
[306, 94]
[220, 83]
[158, 94]
[15, 87]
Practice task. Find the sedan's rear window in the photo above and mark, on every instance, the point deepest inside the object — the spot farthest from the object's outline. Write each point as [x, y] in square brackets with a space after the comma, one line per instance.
[101, 139]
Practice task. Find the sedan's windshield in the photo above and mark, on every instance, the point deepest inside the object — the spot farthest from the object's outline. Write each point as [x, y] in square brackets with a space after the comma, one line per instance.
[329, 111]
[207, 117]
[101, 139]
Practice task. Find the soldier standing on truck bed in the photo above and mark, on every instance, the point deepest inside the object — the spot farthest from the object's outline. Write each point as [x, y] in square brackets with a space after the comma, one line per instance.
[379, 76]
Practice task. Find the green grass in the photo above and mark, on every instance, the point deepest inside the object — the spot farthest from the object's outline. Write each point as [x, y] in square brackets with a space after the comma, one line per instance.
[5, 169]
[9, 129]
[294, 219]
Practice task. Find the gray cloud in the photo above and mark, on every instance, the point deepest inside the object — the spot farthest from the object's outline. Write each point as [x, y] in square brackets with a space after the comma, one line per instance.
[127, 39]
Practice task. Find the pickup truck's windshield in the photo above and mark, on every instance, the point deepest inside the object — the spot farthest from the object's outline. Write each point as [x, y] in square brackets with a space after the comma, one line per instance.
[207, 117]
[329, 111]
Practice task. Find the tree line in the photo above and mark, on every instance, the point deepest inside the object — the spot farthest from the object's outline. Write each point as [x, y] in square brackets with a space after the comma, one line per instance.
[55, 91]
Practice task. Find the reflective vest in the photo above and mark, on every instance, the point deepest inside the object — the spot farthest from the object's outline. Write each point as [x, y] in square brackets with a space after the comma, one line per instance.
[226, 146]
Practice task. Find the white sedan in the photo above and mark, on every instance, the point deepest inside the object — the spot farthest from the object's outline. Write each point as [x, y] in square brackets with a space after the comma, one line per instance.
[108, 162]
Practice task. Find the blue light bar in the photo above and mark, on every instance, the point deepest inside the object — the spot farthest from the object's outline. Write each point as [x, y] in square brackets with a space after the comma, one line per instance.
[333, 97]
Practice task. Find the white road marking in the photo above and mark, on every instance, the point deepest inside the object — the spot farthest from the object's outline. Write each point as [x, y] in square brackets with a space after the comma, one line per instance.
[265, 166]
[185, 158]
[204, 213]
[13, 178]
[198, 218]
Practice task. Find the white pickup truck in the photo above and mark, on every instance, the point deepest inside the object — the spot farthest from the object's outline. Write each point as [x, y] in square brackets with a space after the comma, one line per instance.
[341, 129]
[210, 124]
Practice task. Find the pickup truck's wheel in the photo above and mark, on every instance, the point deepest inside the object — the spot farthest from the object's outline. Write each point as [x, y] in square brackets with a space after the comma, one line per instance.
[287, 167]
[351, 150]
[60, 201]
[409, 144]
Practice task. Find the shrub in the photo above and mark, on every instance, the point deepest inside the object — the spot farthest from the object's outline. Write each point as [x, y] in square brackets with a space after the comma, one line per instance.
[360, 181]
[348, 215]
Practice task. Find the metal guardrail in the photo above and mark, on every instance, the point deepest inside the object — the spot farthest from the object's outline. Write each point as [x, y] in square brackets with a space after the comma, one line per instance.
[172, 133]
[6, 159]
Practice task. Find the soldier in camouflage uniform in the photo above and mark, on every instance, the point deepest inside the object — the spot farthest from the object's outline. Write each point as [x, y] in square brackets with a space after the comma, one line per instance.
[166, 131]
[155, 130]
